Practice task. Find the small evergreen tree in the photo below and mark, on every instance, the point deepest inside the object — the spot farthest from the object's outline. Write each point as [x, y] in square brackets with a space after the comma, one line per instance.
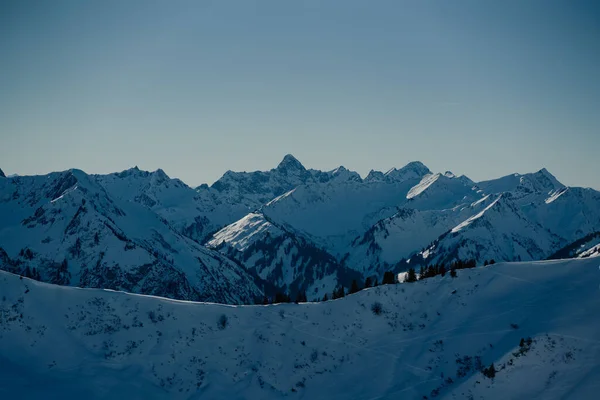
[492, 262]
[301, 297]
[326, 297]
[490, 372]
[338, 293]
[442, 270]
[453, 272]
[422, 273]
[368, 282]
[485, 263]
[388, 278]
[376, 283]
[354, 287]
[411, 275]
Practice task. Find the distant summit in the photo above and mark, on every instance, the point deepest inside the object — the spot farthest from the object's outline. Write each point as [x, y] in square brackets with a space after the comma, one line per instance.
[2, 174]
[290, 163]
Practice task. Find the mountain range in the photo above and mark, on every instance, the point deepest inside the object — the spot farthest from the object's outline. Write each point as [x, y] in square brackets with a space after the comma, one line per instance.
[289, 229]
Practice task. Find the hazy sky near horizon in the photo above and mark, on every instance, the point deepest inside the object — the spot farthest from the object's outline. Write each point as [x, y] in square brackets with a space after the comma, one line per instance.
[482, 88]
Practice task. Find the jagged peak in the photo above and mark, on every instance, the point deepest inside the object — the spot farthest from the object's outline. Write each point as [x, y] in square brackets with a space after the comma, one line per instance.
[290, 162]
[161, 173]
[375, 176]
[342, 172]
[541, 180]
[129, 172]
[412, 170]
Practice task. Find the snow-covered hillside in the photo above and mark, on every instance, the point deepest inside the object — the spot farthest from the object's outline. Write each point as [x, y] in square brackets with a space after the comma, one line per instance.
[499, 232]
[288, 261]
[535, 322]
[587, 246]
[66, 228]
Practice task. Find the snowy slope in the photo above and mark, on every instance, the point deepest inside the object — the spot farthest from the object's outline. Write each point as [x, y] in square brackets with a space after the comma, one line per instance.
[408, 231]
[500, 232]
[432, 338]
[440, 192]
[570, 213]
[523, 184]
[196, 214]
[332, 214]
[290, 262]
[66, 228]
[586, 246]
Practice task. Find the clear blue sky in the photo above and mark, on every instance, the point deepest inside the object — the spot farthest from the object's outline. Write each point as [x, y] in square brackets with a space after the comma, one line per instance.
[484, 88]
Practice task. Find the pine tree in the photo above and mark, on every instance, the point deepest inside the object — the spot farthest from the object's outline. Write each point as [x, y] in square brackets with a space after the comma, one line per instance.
[422, 273]
[376, 283]
[492, 262]
[453, 272]
[411, 275]
[490, 372]
[326, 297]
[442, 270]
[485, 263]
[301, 297]
[388, 278]
[368, 282]
[354, 288]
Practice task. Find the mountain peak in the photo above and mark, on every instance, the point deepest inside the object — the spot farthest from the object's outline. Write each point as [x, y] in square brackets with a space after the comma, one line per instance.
[412, 170]
[543, 180]
[290, 162]
[375, 176]
[2, 174]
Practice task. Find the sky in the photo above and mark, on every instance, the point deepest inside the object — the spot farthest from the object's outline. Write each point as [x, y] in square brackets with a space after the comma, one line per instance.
[483, 88]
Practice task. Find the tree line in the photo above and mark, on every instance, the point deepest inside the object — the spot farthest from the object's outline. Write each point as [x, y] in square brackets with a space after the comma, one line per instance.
[389, 278]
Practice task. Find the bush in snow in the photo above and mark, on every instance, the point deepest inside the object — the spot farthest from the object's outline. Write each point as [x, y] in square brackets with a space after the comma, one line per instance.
[377, 308]
[222, 322]
[489, 372]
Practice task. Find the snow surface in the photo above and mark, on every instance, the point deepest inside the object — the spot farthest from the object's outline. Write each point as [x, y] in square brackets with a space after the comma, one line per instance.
[555, 195]
[422, 186]
[60, 342]
[470, 220]
[244, 232]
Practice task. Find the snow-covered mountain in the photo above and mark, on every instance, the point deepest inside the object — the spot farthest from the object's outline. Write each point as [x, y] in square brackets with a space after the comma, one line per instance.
[68, 228]
[500, 231]
[238, 193]
[378, 223]
[289, 228]
[335, 212]
[531, 327]
[587, 246]
[290, 262]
